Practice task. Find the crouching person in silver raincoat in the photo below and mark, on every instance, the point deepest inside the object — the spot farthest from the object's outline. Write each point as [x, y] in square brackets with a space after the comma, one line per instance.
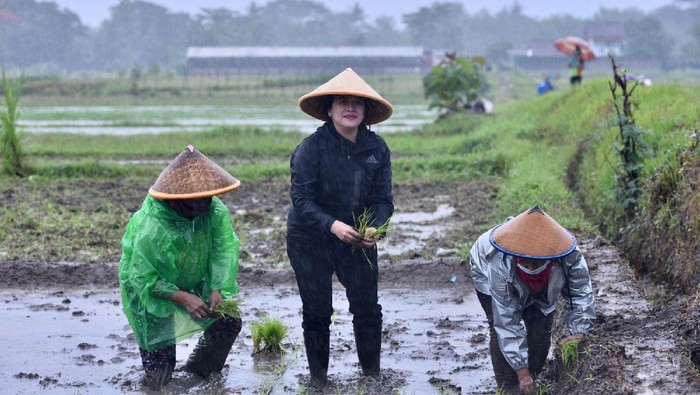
[520, 269]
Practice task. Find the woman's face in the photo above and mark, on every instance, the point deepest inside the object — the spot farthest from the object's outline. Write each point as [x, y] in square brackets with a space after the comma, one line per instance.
[347, 111]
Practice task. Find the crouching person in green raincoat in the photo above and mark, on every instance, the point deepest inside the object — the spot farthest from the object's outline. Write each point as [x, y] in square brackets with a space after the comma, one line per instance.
[179, 260]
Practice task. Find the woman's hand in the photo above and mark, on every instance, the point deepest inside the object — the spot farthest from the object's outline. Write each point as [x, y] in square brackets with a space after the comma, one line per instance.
[345, 233]
[194, 305]
[214, 299]
[569, 338]
[527, 385]
[366, 241]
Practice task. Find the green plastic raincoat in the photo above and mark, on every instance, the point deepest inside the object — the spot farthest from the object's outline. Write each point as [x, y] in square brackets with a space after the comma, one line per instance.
[162, 253]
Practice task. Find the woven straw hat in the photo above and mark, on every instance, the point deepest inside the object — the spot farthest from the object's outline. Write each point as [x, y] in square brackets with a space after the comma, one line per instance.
[533, 235]
[191, 175]
[347, 83]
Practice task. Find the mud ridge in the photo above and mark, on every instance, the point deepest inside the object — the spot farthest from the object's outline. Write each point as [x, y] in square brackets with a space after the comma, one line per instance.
[634, 347]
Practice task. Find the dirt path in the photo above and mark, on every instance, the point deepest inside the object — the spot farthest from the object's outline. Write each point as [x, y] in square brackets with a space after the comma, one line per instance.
[636, 346]
[435, 336]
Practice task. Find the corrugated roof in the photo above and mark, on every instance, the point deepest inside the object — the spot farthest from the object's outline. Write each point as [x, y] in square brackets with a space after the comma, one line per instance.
[301, 52]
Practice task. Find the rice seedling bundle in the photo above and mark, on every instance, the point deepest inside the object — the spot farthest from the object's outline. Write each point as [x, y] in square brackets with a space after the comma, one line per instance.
[268, 335]
[229, 308]
[569, 352]
[365, 221]
[362, 225]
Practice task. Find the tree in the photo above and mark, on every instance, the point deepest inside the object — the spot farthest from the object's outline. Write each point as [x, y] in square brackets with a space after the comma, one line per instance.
[454, 84]
[439, 26]
[646, 38]
[691, 50]
[141, 33]
[38, 32]
[214, 27]
[306, 22]
[384, 32]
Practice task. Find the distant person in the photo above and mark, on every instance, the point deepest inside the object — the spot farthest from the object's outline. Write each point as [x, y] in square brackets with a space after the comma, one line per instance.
[179, 261]
[545, 86]
[520, 269]
[340, 171]
[576, 64]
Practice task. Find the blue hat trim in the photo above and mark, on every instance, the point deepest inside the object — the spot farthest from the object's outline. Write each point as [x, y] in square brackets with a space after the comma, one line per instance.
[537, 258]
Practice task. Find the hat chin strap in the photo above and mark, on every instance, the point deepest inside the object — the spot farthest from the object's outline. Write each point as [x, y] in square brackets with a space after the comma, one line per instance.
[533, 272]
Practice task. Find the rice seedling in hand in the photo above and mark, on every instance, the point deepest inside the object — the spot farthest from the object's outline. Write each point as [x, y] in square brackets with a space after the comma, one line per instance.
[362, 225]
[365, 221]
[268, 335]
[228, 308]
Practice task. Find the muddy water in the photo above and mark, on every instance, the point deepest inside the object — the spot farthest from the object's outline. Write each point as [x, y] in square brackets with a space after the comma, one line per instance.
[79, 342]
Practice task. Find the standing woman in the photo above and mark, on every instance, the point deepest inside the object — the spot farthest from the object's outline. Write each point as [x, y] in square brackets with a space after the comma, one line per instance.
[576, 66]
[337, 173]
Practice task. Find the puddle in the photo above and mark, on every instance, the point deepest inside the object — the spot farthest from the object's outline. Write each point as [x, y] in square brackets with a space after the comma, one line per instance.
[79, 342]
[409, 231]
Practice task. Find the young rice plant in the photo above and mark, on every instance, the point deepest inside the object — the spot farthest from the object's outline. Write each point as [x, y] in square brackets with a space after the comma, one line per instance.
[569, 352]
[229, 308]
[268, 335]
[364, 222]
[362, 225]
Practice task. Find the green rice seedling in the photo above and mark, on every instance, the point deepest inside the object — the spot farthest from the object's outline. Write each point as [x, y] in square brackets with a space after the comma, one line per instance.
[11, 147]
[364, 222]
[268, 335]
[542, 389]
[569, 352]
[362, 225]
[229, 308]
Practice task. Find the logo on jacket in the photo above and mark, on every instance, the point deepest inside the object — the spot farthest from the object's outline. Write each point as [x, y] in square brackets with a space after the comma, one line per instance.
[372, 160]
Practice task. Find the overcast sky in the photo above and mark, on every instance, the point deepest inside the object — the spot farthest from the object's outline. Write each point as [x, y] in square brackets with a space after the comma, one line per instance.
[92, 12]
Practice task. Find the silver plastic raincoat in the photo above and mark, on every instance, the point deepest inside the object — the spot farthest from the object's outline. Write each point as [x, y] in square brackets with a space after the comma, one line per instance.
[494, 273]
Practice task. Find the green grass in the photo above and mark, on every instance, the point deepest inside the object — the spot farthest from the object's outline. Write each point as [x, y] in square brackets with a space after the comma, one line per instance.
[248, 143]
[223, 90]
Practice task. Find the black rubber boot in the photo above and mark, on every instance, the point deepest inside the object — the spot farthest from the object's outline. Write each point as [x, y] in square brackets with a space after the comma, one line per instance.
[317, 346]
[209, 355]
[158, 378]
[369, 347]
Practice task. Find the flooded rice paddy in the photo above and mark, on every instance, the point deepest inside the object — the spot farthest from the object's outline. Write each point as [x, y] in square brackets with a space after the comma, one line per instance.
[79, 342]
[76, 340]
[131, 120]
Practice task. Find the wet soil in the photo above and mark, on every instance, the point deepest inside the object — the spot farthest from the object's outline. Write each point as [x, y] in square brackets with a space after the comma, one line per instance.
[65, 332]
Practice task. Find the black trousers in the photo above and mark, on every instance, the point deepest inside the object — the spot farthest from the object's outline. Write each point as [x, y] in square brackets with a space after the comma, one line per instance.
[539, 335]
[315, 263]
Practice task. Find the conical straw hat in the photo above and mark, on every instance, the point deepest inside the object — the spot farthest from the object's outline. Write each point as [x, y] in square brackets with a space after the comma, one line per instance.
[347, 83]
[192, 175]
[533, 235]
